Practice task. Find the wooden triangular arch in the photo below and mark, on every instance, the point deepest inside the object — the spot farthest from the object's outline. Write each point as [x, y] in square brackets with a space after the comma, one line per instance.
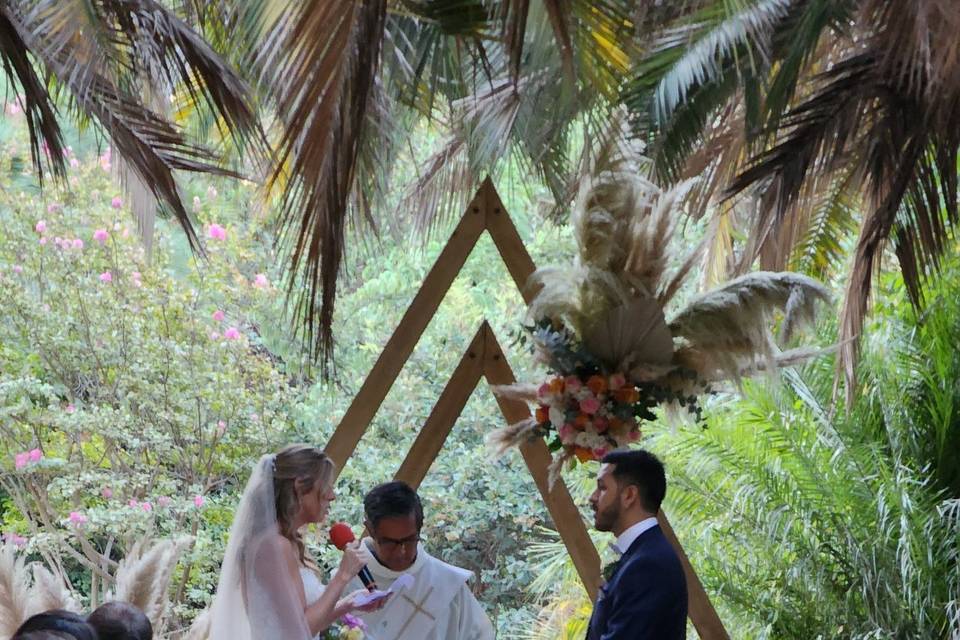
[484, 358]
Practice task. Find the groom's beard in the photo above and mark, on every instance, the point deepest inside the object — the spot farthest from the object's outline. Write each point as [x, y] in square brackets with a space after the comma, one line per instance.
[605, 519]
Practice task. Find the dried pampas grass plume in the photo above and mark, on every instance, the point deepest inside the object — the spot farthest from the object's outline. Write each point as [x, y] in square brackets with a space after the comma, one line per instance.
[49, 591]
[14, 590]
[143, 577]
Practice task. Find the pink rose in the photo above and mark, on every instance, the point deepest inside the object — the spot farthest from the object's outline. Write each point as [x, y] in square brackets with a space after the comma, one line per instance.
[101, 235]
[106, 276]
[617, 381]
[117, 202]
[216, 232]
[218, 315]
[600, 424]
[76, 518]
[231, 334]
[590, 405]
[36, 455]
[198, 501]
[566, 432]
[599, 452]
[106, 492]
[543, 391]
[572, 384]
[40, 227]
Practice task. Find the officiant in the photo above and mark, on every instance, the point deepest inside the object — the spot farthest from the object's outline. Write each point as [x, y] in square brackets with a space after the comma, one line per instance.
[439, 605]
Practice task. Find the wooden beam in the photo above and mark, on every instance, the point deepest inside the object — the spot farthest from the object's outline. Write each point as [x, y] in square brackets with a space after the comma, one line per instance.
[699, 608]
[405, 337]
[444, 415]
[565, 514]
[508, 242]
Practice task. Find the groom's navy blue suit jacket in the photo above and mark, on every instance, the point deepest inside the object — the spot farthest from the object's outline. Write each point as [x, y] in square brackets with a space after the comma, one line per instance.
[646, 598]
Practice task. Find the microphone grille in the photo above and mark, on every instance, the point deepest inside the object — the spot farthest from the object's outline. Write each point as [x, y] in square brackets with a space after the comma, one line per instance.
[341, 535]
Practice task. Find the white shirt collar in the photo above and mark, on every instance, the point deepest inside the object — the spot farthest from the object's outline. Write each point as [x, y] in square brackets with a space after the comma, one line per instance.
[629, 536]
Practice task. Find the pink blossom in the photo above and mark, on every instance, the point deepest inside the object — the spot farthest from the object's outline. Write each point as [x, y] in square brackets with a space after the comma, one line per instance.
[599, 452]
[216, 232]
[566, 432]
[133, 504]
[101, 235]
[590, 405]
[14, 539]
[221, 427]
[164, 501]
[218, 315]
[70, 408]
[543, 391]
[600, 424]
[117, 202]
[43, 241]
[77, 243]
[232, 334]
[40, 227]
[17, 268]
[106, 276]
[146, 506]
[76, 518]
[13, 108]
[54, 207]
[106, 492]
[36, 455]
[74, 163]
[21, 460]
[135, 277]
[617, 381]
[214, 335]
[261, 282]
[198, 501]
[572, 384]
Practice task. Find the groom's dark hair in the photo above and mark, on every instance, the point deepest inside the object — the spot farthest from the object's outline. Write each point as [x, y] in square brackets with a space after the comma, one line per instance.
[643, 469]
[120, 621]
[392, 500]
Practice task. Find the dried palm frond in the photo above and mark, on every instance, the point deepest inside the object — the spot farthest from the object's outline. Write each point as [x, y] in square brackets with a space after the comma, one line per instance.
[635, 332]
[14, 590]
[501, 440]
[143, 577]
[520, 391]
[49, 592]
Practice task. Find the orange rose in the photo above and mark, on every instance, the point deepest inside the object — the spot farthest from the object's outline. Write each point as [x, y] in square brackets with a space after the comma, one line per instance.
[556, 385]
[542, 414]
[581, 421]
[627, 395]
[583, 454]
[597, 384]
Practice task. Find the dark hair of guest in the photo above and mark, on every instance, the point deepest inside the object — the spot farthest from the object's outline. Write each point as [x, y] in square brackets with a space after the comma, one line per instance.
[121, 621]
[392, 500]
[70, 625]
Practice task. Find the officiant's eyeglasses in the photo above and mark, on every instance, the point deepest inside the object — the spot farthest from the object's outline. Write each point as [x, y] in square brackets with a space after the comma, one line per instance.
[389, 544]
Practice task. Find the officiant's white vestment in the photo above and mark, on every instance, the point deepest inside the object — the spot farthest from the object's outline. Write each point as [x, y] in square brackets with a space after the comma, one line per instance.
[439, 605]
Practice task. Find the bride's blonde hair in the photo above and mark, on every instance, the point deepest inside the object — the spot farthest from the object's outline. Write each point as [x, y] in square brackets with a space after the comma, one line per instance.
[298, 467]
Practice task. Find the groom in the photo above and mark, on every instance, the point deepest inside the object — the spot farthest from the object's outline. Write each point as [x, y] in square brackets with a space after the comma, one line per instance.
[645, 597]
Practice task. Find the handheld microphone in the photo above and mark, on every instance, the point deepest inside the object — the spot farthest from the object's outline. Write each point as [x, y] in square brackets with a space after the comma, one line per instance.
[341, 535]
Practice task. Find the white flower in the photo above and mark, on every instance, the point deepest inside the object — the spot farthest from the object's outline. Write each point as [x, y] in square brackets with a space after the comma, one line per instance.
[557, 416]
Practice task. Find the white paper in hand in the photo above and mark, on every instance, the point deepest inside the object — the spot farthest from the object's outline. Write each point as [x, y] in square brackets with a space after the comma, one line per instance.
[403, 581]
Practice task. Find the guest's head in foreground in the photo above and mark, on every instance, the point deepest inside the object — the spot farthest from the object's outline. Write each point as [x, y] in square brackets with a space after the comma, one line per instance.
[303, 489]
[394, 517]
[65, 624]
[120, 621]
[630, 487]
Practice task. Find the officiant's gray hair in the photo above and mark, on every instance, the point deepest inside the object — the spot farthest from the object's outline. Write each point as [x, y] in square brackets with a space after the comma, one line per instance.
[392, 500]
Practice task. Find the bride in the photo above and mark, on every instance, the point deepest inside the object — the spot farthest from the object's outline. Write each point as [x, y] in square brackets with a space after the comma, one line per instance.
[269, 587]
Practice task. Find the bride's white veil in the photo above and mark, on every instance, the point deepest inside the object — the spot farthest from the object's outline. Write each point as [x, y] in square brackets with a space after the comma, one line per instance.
[257, 598]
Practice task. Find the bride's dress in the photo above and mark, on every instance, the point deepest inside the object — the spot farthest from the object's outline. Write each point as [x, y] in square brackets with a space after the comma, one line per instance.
[312, 587]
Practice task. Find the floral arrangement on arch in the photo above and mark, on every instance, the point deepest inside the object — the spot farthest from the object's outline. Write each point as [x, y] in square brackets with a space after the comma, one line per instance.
[600, 325]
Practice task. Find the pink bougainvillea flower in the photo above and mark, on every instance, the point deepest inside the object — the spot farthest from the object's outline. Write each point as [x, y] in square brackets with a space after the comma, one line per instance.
[219, 315]
[40, 227]
[14, 539]
[135, 278]
[216, 232]
[232, 334]
[77, 243]
[74, 163]
[117, 202]
[76, 518]
[70, 408]
[101, 235]
[17, 268]
[164, 501]
[21, 460]
[133, 504]
[590, 405]
[146, 506]
[261, 282]
[36, 455]
[43, 241]
[198, 501]
[106, 276]
[13, 108]
[221, 427]
[106, 492]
